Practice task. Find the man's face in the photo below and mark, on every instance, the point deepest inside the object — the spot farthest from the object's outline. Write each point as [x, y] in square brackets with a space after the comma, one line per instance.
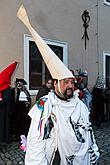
[66, 87]
[19, 85]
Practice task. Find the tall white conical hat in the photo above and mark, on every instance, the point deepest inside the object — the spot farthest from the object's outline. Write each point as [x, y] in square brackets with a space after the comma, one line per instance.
[56, 67]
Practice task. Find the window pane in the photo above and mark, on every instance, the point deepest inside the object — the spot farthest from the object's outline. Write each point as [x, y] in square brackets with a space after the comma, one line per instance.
[36, 66]
[107, 69]
[35, 81]
[57, 50]
[33, 50]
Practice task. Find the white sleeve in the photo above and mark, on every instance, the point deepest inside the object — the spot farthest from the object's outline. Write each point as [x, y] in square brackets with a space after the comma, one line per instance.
[35, 153]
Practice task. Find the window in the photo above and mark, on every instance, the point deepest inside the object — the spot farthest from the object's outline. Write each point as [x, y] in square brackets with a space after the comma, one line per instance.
[35, 70]
[107, 67]
[107, 2]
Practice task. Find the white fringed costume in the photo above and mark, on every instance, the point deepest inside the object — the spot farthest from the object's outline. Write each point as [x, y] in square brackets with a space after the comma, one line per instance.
[70, 132]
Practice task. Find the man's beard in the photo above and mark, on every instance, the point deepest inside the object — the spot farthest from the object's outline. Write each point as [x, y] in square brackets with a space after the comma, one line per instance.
[68, 93]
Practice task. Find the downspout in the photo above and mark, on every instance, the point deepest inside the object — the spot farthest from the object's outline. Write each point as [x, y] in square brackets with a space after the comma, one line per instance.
[97, 33]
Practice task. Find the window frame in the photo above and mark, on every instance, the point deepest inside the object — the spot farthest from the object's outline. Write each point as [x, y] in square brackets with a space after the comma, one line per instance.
[106, 3]
[28, 38]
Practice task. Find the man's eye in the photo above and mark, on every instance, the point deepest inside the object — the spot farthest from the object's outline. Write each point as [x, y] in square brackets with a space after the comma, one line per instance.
[66, 82]
[72, 82]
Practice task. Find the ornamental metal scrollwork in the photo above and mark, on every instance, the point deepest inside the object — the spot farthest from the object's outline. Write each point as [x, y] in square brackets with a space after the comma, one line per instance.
[86, 20]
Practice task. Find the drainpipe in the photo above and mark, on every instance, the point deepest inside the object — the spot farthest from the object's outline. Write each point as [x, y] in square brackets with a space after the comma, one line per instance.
[97, 33]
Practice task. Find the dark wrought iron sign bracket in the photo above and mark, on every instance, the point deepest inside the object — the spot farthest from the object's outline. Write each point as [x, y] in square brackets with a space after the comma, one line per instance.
[86, 20]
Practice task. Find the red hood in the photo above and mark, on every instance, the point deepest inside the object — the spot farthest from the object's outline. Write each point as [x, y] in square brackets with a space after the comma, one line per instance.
[5, 76]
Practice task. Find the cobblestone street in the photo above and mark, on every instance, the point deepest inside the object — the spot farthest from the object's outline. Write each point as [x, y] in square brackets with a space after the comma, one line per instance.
[10, 154]
[102, 136]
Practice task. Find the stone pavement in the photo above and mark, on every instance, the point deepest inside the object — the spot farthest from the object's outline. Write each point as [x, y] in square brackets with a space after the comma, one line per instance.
[102, 136]
[10, 154]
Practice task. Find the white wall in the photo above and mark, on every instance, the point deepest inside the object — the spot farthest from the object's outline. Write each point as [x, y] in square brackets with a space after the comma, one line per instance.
[56, 20]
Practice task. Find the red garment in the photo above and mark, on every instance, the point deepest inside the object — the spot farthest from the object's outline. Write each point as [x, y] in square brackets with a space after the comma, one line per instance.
[79, 79]
[5, 76]
[81, 94]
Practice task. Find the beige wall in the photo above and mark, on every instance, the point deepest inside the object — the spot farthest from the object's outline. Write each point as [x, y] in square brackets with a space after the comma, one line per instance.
[56, 20]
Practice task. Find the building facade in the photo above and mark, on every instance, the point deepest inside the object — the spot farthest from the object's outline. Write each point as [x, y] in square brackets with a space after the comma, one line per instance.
[61, 24]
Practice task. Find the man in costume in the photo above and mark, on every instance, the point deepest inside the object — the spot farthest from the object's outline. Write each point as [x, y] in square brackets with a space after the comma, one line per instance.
[21, 102]
[60, 132]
